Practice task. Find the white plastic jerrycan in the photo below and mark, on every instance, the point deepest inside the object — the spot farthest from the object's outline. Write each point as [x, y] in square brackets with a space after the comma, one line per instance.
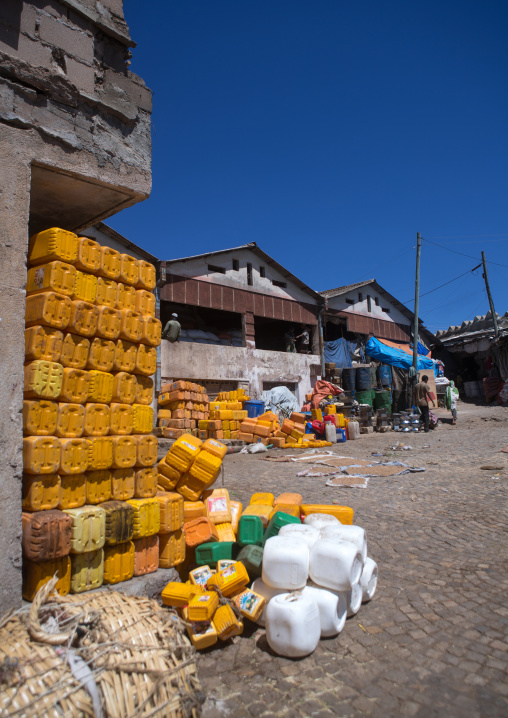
[332, 608]
[293, 625]
[355, 534]
[368, 580]
[352, 599]
[285, 562]
[335, 564]
[309, 534]
[259, 586]
[321, 521]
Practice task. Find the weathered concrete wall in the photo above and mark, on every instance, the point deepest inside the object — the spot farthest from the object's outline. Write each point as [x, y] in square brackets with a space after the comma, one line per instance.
[210, 362]
[75, 147]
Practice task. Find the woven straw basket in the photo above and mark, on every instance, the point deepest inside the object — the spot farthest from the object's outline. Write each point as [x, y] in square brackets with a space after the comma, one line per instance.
[102, 654]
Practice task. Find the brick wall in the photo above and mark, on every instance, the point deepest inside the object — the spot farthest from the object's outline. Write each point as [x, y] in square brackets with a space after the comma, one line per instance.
[361, 324]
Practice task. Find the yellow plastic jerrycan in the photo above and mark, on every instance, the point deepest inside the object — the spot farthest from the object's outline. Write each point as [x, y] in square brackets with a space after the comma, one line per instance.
[55, 276]
[124, 388]
[226, 623]
[101, 355]
[142, 418]
[71, 421]
[100, 453]
[201, 635]
[75, 350]
[147, 447]
[74, 456]
[131, 325]
[75, 386]
[84, 318]
[168, 476]
[101, 386]
[97, 419]
[110, 263]
[85, 287]
[109, 323]
[205, 467]
[43, 379]
[230, 580]
[203, 606]
[40, 493]
[118, 562]
[106, 292]
[98, 486]
[178, 595]
[49, 309]
[129, 269]
[124, 452]
[53, 244]
[193, 510]
[171, 511]
[43, 343]
[145, 302]
[125, 297]
[41, 454]
[145, 482]
[171, 549]
[122, 484]
[72, 491]
[183, 452]
[121, 419]
[144, 389]
[146, 360]
[88, 528]
[89, 255]
[40, 417]
[87, 571]
[151, 329]
[125, 356]
[147, 278]
[146, 517]
[35, 575]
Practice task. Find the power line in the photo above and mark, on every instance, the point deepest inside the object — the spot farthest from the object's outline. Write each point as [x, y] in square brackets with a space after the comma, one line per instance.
[443, 285]
[469, 256]
[464, 236]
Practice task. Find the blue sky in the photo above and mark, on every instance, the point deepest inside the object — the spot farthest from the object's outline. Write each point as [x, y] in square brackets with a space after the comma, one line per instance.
[330, 132]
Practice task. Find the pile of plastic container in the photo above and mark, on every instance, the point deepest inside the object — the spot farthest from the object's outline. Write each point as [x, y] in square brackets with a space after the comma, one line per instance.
[182, 405]
[298, 569]
[88, 453]
[226, 414]
[267, 429]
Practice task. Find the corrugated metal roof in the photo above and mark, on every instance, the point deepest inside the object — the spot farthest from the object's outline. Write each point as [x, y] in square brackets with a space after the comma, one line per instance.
[345, 288]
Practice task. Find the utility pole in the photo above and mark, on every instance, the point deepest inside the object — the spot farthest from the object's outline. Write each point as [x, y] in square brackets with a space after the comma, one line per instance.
[417, 298]
[492, 310]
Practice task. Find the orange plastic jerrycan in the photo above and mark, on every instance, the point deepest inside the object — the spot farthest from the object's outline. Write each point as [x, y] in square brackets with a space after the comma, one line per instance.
[124, 452]
[40, 493]
[100, 452]
[121, 419]
[144, 389]
[71, 421]
[109, 323]
[75, 351]
[147, 278]
[75, 386]
[129, 269]
[98, 486]
[118, 562]
[43, 379]
[110, 263]
[88, 528]
[40, 417]
[142, 418]
[125, 356]
[145, 302]
[171, 511]
[55, 276]
[43, 343]
[151, 329]
[125, 297]
[87, 571]
[35, 575]
[124, 388]
[74, 456]
[97, 419]
[89, 255]
[101, 386]
[122, 484]
[145, 482]
[146, 360]
[146, 555]
[102, 354]
[41, 454]
[49, 309]
[84, 318]
[131, 325]
[106, 292]
[147, 448]
[53, 244]
[72, 491]
[85, 287]
[171, 549]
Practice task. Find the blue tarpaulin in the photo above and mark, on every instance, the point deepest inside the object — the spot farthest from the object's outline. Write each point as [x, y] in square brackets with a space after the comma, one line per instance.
[395, 357]
[340, 351]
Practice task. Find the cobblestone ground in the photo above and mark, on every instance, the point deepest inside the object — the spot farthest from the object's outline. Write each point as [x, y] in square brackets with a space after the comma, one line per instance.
[434, 641]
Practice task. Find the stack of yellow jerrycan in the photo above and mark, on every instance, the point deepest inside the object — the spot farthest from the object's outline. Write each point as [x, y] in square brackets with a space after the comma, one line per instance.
[90, 511]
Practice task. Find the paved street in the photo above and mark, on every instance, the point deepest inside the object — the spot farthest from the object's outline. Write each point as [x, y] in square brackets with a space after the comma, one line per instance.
[434, 641]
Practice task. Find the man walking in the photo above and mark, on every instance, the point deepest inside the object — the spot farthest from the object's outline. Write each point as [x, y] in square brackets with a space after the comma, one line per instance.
[172, 330]
[422, 396]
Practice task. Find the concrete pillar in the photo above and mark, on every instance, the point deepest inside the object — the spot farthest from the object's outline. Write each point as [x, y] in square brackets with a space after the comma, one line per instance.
[14, 212]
